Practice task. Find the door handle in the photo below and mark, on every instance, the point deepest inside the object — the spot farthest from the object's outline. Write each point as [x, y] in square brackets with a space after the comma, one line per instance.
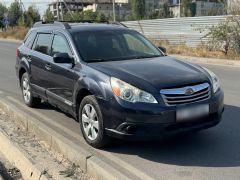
[29, 58]
[48, 67]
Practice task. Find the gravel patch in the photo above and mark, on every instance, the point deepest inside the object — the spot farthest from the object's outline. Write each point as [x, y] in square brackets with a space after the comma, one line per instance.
[55, 165]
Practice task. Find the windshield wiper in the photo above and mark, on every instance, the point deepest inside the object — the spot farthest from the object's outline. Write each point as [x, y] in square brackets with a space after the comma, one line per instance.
[145, 57]
[95, 60]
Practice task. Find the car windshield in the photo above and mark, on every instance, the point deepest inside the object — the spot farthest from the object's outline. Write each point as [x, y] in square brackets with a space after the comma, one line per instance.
[108, 45]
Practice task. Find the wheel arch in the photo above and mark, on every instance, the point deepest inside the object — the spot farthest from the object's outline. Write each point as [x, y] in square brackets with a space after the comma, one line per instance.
[22, 70]
[79, 97]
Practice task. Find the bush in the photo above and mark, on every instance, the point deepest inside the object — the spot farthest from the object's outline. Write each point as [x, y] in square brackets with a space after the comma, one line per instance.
[225, 36]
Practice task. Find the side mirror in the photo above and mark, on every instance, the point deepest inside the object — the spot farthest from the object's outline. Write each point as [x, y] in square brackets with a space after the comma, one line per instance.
[163, 49]
[63, 58]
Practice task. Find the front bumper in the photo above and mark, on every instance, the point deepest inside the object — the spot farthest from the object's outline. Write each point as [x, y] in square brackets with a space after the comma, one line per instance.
[137, 121]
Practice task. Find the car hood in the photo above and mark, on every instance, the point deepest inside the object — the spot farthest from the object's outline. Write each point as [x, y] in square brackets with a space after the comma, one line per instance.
[154, 74]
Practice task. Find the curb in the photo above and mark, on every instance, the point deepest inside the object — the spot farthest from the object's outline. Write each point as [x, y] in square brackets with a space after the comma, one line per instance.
[77, 154]
[213, 61]
[20, 159]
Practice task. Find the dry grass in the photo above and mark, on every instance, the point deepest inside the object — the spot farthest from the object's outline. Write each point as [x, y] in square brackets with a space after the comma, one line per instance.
[14, 33]
[200, 51]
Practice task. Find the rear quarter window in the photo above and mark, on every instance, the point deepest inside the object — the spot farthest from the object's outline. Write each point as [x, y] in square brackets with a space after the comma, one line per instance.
[29, 40]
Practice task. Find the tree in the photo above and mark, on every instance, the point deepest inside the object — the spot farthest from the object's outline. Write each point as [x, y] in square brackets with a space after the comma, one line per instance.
[165, 11]
[89, 15]
[138, 9]
[225, 35]
[14, 13]
[29, 17]
[188, 8]
[32, 16]
[101, 17]
[48, 16]
[75, 16]
[3, 10]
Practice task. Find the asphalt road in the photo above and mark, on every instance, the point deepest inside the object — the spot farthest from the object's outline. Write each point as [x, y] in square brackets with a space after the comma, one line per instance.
[211, 154]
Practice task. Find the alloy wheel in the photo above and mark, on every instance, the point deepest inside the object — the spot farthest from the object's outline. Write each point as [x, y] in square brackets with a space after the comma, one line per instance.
[90, 122]
[26, 90]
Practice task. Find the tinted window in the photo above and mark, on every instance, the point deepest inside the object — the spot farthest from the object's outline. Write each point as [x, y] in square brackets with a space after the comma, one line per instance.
[60, 45]
[114, 45]
[30, 39]
[43, 43]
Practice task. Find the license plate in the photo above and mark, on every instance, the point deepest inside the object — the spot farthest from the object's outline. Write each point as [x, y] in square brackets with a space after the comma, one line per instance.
[192, 112]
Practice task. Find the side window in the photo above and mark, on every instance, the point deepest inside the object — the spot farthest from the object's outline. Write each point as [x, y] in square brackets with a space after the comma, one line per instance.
[43, 43]
[60, 45]
[30, 39]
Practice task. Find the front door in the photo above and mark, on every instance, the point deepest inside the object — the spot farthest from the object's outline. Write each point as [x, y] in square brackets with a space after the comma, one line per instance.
[62, 76]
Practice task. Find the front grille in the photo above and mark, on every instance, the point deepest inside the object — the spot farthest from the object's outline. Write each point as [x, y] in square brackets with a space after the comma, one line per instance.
[186, 95]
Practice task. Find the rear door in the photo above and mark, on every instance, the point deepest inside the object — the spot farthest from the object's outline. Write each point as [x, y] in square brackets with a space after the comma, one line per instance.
[41, 62]
[61, 77]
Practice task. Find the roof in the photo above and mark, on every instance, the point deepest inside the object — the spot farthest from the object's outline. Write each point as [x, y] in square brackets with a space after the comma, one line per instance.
[84, 25]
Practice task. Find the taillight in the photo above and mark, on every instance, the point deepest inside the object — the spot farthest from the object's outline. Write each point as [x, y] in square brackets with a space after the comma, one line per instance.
[17, 52]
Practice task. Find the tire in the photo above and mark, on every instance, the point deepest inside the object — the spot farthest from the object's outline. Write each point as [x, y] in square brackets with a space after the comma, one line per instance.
[91, 124]
[27, 94]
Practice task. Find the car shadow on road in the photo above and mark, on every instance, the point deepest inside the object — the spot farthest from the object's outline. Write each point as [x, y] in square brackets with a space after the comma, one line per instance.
[215, 147]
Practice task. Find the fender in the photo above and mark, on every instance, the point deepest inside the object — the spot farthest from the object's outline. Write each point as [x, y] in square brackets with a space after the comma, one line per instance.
[95, 82]
[24, 64]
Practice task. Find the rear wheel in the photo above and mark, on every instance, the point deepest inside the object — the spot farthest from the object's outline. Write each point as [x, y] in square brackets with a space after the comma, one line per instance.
[27, 92]
[91, 123]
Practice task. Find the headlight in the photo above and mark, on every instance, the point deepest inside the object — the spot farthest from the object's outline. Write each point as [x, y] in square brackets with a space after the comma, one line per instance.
[130, 93]
[215, 80]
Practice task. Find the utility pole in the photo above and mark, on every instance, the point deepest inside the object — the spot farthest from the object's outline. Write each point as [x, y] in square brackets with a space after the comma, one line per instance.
[114, 12]
[179, 8]
[69, 10]
[58, 10]
[61, 11]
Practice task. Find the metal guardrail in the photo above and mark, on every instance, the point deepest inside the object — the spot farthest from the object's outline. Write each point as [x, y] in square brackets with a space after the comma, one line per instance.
[176, 30]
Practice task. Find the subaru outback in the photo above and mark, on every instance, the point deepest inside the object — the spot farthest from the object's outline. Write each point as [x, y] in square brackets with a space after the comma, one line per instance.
[115, 82]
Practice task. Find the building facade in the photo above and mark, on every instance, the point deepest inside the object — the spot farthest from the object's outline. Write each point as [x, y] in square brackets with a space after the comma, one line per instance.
[58, 7]
[202, 7]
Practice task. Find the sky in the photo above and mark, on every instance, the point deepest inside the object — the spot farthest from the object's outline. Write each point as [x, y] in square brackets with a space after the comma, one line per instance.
[40, 4]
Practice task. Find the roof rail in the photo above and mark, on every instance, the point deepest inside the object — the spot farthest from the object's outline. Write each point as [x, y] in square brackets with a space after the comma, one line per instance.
[95, 21]
[64, 25]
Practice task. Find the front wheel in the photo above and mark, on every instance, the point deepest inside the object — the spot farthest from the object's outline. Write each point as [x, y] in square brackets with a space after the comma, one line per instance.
[27, 92]
[91, 123]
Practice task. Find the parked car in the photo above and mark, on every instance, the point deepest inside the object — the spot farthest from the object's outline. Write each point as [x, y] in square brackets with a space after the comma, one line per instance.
[115, 82]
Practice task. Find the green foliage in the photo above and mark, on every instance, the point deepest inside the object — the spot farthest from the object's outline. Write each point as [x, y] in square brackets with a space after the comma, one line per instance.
[3, 10]
[163, 12]
[76, 16]
[225, 35]
[48, 16]
[14, 13]
[188, 8]
[101, 17]
[89, 15]
[86, 15]
[29, 17]
[138, 9]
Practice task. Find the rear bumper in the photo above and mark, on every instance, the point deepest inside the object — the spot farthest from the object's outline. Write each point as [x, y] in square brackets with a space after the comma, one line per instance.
[149, 123]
